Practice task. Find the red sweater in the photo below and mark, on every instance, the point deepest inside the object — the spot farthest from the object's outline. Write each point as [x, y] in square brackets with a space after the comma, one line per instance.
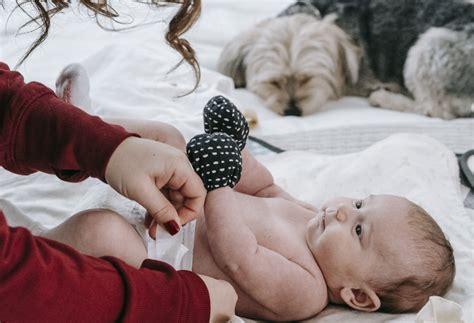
[42, 280]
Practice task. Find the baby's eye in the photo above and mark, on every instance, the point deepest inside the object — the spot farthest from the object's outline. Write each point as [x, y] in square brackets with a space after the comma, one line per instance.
[358, 204]
[358, 230]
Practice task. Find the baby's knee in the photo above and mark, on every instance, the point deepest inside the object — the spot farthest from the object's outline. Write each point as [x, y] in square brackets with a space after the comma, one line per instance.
[94, 224]
[106, 233]
[100, 232]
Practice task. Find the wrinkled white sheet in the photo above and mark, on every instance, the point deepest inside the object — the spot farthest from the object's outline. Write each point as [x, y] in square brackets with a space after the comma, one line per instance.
[129, 78]
[440, 310]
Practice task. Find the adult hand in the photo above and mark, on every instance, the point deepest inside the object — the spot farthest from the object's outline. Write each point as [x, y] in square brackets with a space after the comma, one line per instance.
[223, 299]
[139, 168]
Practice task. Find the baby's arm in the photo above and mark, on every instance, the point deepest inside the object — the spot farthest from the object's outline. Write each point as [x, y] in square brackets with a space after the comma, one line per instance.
[255, 177]
[281, 288]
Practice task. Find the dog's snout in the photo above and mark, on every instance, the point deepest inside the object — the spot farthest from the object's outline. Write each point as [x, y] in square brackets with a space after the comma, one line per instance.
[292, 109]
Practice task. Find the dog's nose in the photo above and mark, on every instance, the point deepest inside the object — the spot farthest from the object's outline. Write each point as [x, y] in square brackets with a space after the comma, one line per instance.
[292, 109]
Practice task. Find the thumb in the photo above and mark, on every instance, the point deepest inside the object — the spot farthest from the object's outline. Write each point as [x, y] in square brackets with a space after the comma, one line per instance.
[160, 209]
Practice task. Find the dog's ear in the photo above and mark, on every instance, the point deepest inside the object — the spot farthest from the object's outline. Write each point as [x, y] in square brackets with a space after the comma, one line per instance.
[232, 59]
[351, 58]
[299, 7]
[322, 5]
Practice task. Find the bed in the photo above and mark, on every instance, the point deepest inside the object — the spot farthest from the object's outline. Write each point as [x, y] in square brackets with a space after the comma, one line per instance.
[130, 77]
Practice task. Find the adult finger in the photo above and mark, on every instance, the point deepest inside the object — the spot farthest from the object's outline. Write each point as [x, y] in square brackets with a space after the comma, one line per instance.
[158, 206]
[148, 219]
[152, 230]
[190, 187]
[188, 209]
[176, 197]
[187, 214]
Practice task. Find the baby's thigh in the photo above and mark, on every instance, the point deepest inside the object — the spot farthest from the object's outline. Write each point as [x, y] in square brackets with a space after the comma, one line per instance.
[101, 232]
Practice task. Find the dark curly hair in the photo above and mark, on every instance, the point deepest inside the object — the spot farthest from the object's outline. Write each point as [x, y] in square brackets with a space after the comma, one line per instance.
[185, 17]
[410, 291]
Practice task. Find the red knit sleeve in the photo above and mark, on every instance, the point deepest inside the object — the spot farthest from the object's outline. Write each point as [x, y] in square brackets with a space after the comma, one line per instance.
[45, 281]
[40, 132]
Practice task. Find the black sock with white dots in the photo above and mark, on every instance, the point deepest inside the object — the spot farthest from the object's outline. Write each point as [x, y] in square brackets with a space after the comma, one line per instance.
[221, 115]
[215, 155]
[216, 159]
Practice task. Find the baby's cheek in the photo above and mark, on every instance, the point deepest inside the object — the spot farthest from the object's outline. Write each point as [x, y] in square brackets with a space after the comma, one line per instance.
[330, 243]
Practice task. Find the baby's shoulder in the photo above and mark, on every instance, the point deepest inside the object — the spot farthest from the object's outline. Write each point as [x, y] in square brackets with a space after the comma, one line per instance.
[314, 290]
[314, 284]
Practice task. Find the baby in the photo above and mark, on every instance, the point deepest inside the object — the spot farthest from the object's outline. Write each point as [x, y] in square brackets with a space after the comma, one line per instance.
[286, 259]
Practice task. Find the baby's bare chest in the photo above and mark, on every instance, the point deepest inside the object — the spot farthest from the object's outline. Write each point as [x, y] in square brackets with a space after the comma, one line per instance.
[278, 225]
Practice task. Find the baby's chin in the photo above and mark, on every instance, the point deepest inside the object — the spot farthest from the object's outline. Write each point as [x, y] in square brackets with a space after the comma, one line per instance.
[312, 224]
[311, 231]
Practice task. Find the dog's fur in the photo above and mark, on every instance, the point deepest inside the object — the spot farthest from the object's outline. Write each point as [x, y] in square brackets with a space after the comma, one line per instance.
[295, 63]
[417, 55]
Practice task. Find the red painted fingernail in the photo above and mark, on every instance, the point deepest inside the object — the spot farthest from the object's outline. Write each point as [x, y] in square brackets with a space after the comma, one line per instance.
[172, 227]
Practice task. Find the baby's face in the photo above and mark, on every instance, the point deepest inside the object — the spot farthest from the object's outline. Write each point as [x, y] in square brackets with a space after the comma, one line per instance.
[352, 239]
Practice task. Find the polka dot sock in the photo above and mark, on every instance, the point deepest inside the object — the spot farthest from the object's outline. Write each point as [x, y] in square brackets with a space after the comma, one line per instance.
[221, 115]
[216, 159]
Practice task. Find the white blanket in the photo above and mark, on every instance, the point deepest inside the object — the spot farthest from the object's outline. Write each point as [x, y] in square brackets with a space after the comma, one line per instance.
[129, 78]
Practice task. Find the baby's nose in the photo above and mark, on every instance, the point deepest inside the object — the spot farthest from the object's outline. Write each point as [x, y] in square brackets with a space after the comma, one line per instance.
[338, 213]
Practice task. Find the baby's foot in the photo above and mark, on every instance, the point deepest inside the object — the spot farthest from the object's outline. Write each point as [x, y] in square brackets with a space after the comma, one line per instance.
[216, 159]
[72, 85]
[221, 115]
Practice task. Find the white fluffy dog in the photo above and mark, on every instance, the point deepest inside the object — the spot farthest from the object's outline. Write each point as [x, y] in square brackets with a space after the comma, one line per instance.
[295, 63]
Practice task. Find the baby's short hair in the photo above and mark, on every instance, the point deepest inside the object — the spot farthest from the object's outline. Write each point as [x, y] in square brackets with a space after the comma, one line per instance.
[411, 291]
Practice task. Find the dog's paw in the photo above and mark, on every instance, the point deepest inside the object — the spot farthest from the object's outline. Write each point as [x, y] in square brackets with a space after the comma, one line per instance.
[390, 87]
[377, 98]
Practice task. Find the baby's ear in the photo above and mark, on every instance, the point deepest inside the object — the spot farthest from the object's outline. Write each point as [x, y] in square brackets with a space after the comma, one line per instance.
[361, 299]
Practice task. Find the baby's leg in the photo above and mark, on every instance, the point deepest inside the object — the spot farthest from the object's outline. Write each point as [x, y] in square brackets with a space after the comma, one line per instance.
[100, 233]
[222, 116]
[226, 126]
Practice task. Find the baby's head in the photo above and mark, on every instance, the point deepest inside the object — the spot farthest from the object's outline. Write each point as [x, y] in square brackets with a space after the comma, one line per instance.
[382, 252]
